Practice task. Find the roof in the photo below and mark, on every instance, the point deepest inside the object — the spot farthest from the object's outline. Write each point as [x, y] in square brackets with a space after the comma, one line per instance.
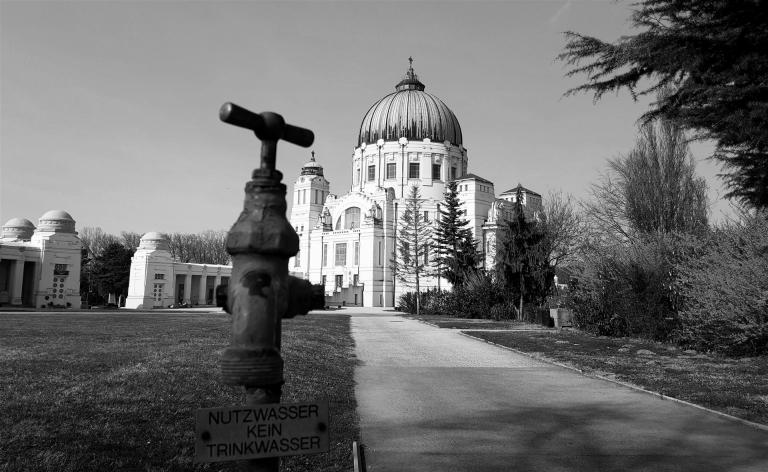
[522, 189]
[410, 113]
[153, 236]
[56, 215]
[474, 177]
[18, 223]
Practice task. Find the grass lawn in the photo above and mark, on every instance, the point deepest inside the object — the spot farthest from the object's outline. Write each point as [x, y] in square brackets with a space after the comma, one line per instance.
[738, 387]
[110, 391]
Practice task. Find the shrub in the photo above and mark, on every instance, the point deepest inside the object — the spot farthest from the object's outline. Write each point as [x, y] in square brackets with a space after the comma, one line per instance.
[627, 290]
[722, 290]
[502, 311]
[480, 292]
[431, 302]
[407, 303]
[708, 291]
[477, 298]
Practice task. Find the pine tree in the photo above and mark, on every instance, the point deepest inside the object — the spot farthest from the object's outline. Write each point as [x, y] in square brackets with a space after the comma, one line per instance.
[413, 238]
[524, 264]
[456, 249]
[713, 55]
[112, 270]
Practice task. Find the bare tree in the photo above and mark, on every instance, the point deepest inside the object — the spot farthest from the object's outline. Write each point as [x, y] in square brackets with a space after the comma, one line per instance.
[131, 240]
[654, 188]
[95, 240]
[563, 228]
[208, 247]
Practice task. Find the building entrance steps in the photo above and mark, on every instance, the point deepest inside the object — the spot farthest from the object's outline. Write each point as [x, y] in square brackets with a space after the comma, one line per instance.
[431, 399]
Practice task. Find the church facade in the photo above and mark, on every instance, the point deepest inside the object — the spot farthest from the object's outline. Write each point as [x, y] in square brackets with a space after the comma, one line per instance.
[407, 138]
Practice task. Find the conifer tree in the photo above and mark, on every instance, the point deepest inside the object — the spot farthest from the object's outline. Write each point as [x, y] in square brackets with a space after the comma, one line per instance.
[413, 238]
[112, 270]
[456, 249]
[712, 53]
[523, 263]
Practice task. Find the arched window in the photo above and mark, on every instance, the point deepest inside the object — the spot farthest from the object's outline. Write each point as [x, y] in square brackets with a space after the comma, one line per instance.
[352, 218]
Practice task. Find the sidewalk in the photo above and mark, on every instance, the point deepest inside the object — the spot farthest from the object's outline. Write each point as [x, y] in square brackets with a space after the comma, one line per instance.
[431, 399]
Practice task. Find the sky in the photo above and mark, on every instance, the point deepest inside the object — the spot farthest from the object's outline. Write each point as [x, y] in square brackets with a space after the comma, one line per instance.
[109, 109]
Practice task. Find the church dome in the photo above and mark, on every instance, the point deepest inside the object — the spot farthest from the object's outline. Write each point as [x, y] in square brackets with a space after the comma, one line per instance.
[410, 112]
[18, 228]
[312, 167]
[58, 221]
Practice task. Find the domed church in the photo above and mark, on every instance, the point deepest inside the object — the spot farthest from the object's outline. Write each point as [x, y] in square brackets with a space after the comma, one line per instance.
[408, 138]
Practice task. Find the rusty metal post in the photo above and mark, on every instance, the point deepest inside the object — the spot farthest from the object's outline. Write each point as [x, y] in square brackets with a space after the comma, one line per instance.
[260, 292]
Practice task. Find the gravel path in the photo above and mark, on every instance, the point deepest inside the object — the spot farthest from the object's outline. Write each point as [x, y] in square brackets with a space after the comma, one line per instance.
[432, 400]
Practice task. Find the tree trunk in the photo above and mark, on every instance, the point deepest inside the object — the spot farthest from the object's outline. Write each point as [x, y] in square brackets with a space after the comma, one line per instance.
[521, 296]
[418, 295]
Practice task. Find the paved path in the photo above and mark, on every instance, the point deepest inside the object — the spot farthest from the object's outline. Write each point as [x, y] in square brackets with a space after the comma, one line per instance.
[432, 400]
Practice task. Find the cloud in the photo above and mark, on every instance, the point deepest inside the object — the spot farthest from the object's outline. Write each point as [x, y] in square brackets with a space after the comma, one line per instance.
[561, 12]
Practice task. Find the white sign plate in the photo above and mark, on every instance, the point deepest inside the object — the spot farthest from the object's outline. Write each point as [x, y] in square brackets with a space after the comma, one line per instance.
[254, 431]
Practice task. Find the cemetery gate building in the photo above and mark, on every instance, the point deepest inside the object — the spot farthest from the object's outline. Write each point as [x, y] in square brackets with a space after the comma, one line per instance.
[40, 266]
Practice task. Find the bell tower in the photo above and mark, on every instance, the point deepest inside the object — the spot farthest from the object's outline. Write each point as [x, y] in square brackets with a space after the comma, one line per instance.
[309, 193]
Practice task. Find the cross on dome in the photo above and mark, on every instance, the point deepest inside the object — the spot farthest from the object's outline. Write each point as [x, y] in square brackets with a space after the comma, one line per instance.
[411, 80]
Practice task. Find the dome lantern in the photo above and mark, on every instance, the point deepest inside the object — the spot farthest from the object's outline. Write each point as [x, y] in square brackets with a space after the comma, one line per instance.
[410, 81]
[312, 167]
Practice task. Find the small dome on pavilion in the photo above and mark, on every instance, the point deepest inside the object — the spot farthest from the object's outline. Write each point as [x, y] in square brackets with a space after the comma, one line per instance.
[57, 221]
[154, 241]
[18, 228]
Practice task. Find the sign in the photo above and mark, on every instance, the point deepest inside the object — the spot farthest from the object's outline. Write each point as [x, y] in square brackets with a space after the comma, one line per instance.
[256, 431]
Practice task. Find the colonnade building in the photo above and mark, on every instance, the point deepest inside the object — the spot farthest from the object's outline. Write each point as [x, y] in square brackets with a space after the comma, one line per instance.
[40, 266]
[157, 281]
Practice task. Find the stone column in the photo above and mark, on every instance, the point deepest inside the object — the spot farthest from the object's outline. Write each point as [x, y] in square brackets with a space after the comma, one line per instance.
[188, 288]
[216, 283]
[17, 281]
[201, 295]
